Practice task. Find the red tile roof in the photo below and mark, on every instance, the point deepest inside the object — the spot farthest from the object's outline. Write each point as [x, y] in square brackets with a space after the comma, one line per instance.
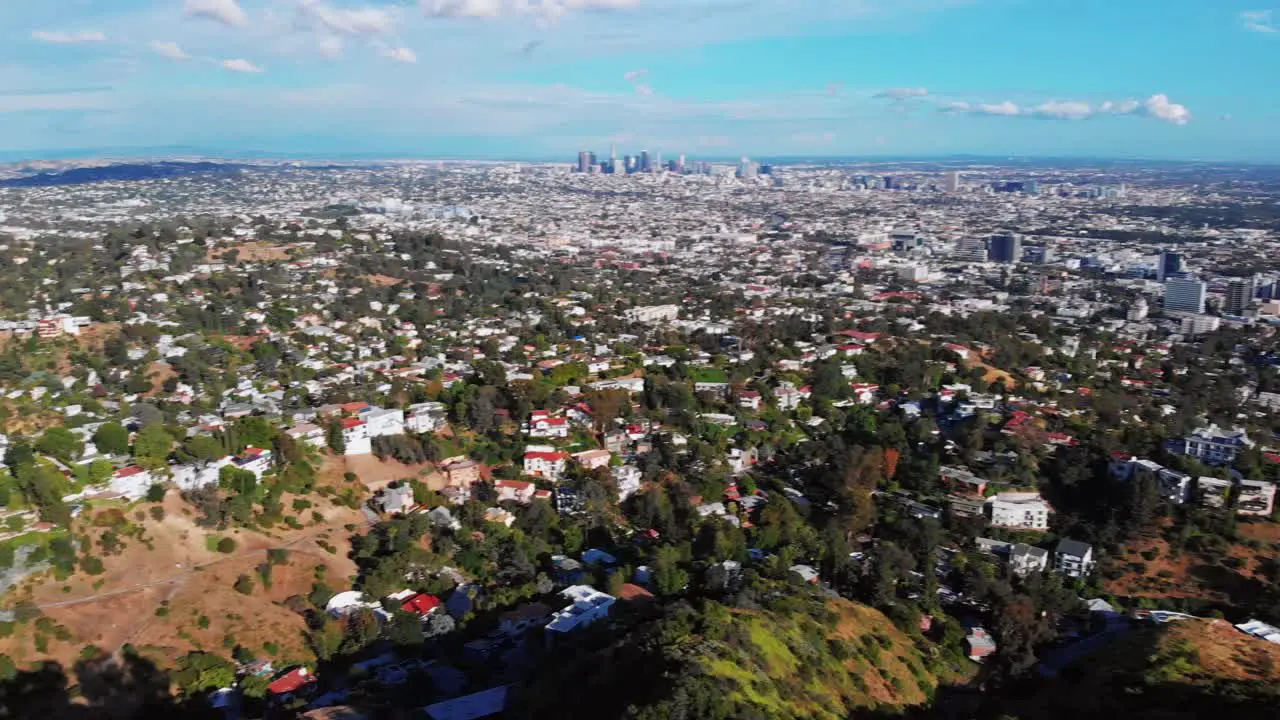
[291, 681]
[421, 604]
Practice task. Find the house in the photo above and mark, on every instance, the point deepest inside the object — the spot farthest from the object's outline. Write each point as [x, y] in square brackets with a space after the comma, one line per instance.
[355, 437]
[441, 517]
[806, 573]
[1212, 492]
[1025, 559]
[515, 491]
[627, 478]
[522, 619]
[312, 435]
[384, 422]
[961, 481]
[132, 482]
[545, 463]
[592, 459]
[1020, 511]
[1212, 445]
[587, 605]
[966, 506]
[1255, 497]
[864, 393]
[543, 425]
[750, 399]
[395, 500]
[462, 473]
[292, 684]
[741, 460]
[1073, 558]
[254, 460]
[979, 644]
[425, 417]
[499, 516]
[421, 604]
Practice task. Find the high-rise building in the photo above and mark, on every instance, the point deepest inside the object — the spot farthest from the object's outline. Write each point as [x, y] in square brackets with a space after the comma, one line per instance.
[972, 249]
[1005, 248]
[1031, 187]
[680, 165]
[584, 162]
[747, 169]
[1038, 254]
[1170, 264]
[952, 182]
[646, 162]
[1239, 296]
[1184, 294]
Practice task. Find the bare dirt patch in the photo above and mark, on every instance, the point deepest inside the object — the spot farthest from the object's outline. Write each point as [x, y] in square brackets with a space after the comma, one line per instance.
[375, 474]
[1152, 569]
[383, 280]
[251, 252]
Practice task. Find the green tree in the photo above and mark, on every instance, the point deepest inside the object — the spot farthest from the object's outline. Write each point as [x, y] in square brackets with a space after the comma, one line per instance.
[405, 629]
[60, 443]
[334, 437]
[244, 585]
[111, 439]
[668, 576]
[199, 672]
[153, 443]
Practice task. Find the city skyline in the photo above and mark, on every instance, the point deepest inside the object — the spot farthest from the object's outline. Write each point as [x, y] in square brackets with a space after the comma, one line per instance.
[928, 78]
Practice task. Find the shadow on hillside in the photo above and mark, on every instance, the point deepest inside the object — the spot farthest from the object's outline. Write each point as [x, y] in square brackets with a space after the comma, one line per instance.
[127, 688]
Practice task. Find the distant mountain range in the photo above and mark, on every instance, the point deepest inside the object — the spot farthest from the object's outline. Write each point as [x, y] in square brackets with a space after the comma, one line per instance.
[121, 172]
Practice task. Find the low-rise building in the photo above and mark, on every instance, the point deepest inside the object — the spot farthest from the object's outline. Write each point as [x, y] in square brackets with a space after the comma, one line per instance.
[1255, 497]
[1073, 558]
[1020, 511]
[587, 605]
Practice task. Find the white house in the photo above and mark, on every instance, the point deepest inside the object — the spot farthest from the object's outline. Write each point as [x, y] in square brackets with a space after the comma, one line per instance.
[543, 425]
[515, 491]
[627, 478]
[383, 422]
[1073, 558]
[425, 417]
[1020, 511]
[1256, 498]
[1025, 559]
[545, 463]
[255, 460]
[132, 482]
[588, 606]
[356, 438]
[1213, 445]
[312, 435]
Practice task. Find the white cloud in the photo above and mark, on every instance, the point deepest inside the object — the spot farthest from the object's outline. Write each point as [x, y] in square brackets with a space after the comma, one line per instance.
[902, 93]
[1258, 21]
[227, 12]
[352, 21]
[330, 46]
[634, 75]
[1064, 109]
[169, 50]
[400, 54]
[1156, 107]
[644, 89]
[60, 37]
[545, 9]
[1159, 107]
[241, 66]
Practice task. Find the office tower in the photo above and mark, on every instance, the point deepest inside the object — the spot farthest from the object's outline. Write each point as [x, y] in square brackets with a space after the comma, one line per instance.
[1031, 187]
[1038, 254]
[1184, 294]
[584, 162]
[592, 163]
[629, 164]
[1170, 264]
[613, 157]
[680, 165]
[888, 182]
[1239, 296]
[646, 162]
[747, 169]
[972, 249]
[1006, 248]
[952, 183]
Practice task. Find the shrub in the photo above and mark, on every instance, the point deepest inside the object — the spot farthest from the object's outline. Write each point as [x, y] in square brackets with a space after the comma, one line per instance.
[244, 585]
[157, 513]
[92, 565]
[226, 546]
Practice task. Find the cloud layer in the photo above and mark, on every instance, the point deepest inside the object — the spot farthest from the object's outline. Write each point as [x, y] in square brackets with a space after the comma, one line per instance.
[1157, 107]
[1259, 21]
[60, 37]
[241, 66]
[227, 12]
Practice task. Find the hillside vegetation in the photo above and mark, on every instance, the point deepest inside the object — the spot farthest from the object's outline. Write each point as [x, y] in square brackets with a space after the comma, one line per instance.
[796, 658]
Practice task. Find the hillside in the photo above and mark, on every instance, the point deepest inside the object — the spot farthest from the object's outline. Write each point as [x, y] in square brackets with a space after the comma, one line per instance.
[799, 658]
[1183, 670]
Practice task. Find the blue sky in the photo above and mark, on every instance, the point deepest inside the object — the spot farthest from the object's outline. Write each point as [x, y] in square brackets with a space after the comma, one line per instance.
[1193, 79]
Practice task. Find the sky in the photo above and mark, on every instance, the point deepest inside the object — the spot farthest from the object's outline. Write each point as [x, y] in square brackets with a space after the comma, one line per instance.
[1168, 79]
